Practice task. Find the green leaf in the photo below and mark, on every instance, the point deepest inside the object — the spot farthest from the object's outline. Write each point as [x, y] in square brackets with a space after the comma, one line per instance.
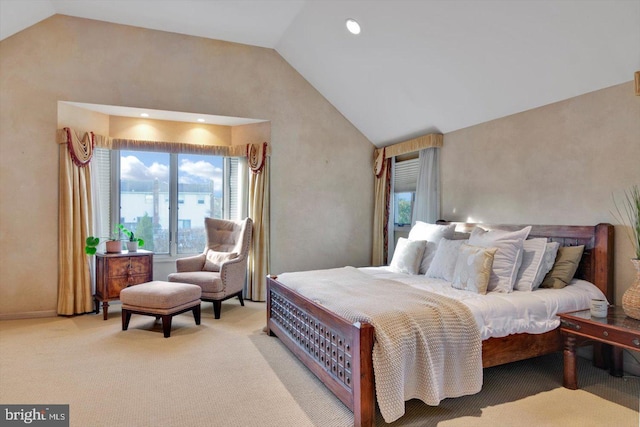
[92, 241]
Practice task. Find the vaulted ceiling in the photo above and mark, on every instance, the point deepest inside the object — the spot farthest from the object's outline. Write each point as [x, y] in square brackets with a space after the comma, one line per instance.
[418, 66]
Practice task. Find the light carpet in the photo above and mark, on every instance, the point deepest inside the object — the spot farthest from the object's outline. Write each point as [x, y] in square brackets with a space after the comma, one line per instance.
[227, 372]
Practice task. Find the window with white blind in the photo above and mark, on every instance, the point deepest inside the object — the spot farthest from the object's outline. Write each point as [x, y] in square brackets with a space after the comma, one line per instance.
[163, 198]
[101, 182]
[404, 190]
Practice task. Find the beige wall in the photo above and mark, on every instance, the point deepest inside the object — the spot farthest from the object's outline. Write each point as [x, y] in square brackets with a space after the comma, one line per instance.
[558, 164]
[321, 180]
[168, 131]
[82, 120]
[251, 133]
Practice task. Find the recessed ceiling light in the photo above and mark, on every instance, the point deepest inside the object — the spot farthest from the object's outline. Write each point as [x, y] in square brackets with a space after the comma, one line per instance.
[353, 26]
[201, 120]
[144, 115]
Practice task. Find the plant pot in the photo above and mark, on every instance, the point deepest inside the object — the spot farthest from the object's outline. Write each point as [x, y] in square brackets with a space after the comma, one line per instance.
[631, 297]
[113, 246]
[132, 246]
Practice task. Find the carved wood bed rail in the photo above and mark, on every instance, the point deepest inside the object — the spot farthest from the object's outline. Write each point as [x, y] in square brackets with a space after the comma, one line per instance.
[339, 353]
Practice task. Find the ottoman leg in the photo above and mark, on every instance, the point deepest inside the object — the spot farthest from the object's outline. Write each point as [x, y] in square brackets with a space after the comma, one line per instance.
[126, 316]
[166, 325]
[196, 314]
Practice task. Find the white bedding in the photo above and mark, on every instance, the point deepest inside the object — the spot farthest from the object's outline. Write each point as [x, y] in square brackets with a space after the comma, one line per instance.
[501, 314]
[426, 347]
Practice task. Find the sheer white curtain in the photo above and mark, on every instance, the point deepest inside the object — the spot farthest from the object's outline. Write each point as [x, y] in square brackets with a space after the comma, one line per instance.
[426, 207]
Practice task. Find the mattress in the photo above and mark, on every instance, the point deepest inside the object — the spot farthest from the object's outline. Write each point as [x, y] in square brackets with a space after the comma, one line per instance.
[501, 314]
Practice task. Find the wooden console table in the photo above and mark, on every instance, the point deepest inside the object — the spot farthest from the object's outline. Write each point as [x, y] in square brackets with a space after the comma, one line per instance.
[116, 271]
[617, 330]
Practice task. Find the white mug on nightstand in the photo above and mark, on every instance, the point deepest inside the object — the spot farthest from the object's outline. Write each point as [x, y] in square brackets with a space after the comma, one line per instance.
[598, 308]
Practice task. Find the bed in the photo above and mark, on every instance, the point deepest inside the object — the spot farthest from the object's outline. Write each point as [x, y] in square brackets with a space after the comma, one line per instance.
[339, 352]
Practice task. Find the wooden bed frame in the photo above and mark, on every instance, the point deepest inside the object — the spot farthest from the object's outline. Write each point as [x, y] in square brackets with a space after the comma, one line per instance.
[339, 353]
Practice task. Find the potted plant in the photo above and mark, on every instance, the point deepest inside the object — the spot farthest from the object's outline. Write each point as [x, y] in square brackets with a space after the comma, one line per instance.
[133, 241]
[112, 245]
[628, 213]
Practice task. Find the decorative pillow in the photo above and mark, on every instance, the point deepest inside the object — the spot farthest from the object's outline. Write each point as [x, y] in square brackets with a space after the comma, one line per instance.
[508, 258]
[564, 268]
[444, 260]
[407, 256]
[532, 254]
[214, 260]
[549, 258]
[473, 268]
[432, 233]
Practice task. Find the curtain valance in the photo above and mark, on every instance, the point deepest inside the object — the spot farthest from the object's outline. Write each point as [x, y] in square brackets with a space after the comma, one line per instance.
[100, 141]
[256, 156]
[79, 146]
[411, 145]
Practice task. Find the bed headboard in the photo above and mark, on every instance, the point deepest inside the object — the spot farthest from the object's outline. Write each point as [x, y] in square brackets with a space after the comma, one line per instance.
[596, 265]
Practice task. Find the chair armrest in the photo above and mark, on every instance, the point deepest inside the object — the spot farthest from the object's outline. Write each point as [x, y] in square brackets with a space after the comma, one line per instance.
[192, 263]
[233, 273]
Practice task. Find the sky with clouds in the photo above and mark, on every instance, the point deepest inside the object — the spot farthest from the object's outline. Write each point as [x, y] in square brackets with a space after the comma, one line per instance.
[192, 169]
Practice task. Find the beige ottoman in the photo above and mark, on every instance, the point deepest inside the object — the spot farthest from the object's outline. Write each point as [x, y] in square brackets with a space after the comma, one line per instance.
[160, 299]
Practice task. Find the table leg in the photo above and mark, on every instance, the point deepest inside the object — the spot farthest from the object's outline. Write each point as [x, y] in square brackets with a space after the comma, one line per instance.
[616, 363]
[570, 380]
[105, 310]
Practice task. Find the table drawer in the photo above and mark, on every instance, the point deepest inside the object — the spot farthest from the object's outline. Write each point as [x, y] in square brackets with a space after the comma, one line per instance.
[603, 333]
[115, 286]
[125, 266]
[118, 267]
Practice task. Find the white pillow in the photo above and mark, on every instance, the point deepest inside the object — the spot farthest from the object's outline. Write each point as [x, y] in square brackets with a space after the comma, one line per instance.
[532, 255]
[407, 256]
[508, 258]
[473, 268]
[432, 233]
[444, 260]
[549, 258]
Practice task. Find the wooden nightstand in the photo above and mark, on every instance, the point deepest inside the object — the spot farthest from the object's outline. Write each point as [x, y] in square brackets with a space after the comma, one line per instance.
[617, 330]
[116, 271]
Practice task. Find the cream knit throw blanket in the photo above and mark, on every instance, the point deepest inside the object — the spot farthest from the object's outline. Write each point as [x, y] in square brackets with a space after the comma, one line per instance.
[426, 347]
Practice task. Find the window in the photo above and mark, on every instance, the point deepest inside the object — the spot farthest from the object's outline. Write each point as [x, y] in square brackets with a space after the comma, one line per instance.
[163, 198]
[404, 191]
[144, 187]
[199, 177]
[403, 206]
[101, 181]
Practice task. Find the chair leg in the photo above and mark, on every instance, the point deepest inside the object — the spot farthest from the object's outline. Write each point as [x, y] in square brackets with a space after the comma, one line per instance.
[241, 299]
[166, 325]
[196, 314]
[217, 307]
[126, 317]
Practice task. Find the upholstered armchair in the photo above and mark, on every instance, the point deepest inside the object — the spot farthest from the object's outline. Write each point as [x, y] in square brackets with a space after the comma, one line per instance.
[221, 269]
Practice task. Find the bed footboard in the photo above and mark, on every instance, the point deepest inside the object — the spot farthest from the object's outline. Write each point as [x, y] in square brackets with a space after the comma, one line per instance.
[336, 351]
